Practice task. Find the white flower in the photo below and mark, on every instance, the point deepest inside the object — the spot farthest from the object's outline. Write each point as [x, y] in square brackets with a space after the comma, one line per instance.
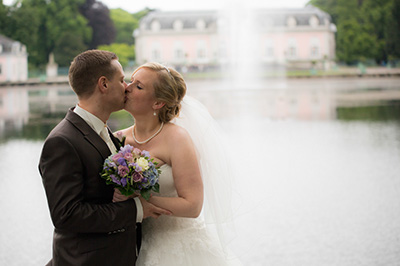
[143, 163]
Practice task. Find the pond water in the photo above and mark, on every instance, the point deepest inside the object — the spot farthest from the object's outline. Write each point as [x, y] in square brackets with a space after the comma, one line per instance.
[317, 161]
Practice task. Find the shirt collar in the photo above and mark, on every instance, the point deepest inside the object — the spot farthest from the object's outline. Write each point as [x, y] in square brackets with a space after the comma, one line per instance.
[93, 121]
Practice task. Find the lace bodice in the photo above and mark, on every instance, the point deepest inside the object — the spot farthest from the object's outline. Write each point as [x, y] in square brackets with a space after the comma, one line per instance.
[170, 240]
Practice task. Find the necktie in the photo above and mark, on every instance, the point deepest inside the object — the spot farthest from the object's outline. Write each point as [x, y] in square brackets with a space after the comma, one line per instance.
[106, 137]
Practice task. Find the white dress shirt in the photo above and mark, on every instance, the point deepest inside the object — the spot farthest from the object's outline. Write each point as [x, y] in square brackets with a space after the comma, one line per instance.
[97, 125]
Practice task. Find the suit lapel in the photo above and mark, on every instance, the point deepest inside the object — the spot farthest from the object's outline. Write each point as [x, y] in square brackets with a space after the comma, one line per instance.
[89, 134]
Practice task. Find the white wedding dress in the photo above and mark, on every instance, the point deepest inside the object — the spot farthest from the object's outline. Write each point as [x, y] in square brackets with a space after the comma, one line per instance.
[173, 241]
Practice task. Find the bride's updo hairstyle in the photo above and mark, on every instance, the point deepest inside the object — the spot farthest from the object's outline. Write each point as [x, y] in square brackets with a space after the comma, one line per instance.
[169, 87]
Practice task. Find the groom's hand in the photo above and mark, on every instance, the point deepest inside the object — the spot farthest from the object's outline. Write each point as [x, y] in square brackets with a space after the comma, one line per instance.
[151, 210]
[117, 197]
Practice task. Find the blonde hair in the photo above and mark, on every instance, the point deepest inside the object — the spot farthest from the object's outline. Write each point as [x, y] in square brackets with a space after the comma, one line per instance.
[169, 88]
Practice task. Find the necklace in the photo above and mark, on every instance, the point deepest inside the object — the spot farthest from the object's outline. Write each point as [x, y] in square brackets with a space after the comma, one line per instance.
[147, 140]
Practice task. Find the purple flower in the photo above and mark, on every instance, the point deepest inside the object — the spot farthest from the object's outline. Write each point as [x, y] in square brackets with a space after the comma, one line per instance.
[146, 154]
[123, 170]
[116, 156]
[115, 179]
[129, 157]
[123, 182]
[137, 177]
[126, 149]
[121, 161]
[136, 151]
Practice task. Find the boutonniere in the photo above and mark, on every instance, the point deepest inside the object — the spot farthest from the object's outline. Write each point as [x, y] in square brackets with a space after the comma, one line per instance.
[121, 139]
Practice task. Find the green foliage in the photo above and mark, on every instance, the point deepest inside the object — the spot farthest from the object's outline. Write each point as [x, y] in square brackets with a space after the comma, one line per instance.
[67, 46]
[355, 43]
[124, 23]
[379, 112]
[44, 26]
[366, 29]
[67, 30]
[124, 52]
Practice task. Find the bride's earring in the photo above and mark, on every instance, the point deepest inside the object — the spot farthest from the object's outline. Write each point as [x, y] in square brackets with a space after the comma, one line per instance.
[155, 114]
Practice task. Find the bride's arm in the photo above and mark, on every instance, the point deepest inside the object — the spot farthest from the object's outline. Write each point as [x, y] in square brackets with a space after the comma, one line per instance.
[187, 178]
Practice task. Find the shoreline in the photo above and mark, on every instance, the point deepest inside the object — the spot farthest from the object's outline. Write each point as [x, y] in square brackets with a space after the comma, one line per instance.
[300, 74]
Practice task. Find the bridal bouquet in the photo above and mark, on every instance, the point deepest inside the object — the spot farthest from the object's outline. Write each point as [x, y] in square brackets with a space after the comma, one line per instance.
[132, 170]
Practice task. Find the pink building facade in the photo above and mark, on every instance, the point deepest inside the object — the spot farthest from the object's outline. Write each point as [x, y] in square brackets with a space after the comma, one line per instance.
[288, 37]
[13, 60]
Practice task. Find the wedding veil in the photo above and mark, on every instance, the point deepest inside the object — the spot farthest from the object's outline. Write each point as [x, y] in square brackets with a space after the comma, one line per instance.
[214, 160]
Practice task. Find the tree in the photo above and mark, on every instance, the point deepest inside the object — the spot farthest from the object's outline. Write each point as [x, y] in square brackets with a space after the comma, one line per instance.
[124, 23]
[365, 28]
[125, 52]
[67, 46]
[63, 19]
[392, 31]
[41, 24]
[3, 16]
[354, 43]
[25, 23]
[99, 19]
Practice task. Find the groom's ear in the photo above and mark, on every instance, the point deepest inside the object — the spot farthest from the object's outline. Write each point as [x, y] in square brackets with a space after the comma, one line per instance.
[158, 105]
[102, 83]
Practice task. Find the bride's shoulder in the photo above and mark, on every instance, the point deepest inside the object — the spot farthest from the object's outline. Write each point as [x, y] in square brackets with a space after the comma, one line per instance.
[175, 132]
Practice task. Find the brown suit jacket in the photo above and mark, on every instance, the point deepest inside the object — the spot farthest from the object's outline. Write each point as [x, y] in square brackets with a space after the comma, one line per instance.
[89, 228]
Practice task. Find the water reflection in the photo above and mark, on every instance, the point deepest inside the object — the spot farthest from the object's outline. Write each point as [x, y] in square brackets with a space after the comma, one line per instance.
[318, 167]
[31, 112]
[14, 109]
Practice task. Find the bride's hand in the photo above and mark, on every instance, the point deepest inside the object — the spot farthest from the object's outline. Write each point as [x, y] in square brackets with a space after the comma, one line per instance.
[117, 197]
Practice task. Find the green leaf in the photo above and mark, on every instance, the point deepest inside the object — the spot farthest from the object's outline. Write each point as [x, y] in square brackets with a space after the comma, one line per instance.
[145, 194]
[156, 188]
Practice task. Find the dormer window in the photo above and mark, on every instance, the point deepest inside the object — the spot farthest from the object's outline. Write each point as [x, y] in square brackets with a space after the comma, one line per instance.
[15, 48]
[314, 21]
[178, 25]
[291, 22]
[200, 24]
[143, 26]
[155, 25]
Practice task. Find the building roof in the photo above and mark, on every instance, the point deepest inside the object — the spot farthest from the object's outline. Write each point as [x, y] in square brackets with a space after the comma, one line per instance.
[188, 18]
[8, 45]
[264, 17]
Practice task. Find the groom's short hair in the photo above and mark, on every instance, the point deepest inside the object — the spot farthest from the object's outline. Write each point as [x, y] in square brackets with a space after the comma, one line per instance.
[87, 68]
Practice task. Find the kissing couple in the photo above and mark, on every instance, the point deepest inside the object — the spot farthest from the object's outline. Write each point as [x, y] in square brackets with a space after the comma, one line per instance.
[94, 224]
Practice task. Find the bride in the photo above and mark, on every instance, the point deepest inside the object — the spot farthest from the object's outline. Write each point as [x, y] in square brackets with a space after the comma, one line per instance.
[193, 171]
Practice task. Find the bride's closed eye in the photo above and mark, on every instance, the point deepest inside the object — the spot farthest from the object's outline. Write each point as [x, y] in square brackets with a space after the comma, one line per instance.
[137, 85]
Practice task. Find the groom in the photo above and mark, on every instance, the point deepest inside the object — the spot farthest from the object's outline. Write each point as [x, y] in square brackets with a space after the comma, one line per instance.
[89, 228]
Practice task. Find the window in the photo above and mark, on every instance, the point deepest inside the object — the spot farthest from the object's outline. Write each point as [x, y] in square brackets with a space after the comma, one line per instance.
[292, 48]
[269, 49]
[201, 49]
[156, 52]
[155, 25]
[314, 47]
[178, 25]
[200, 24]
[314, 21]
[15, 47]
[291, 22]
[178, 52]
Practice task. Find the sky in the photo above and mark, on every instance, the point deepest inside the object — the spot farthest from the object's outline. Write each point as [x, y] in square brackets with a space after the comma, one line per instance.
[175, 5]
